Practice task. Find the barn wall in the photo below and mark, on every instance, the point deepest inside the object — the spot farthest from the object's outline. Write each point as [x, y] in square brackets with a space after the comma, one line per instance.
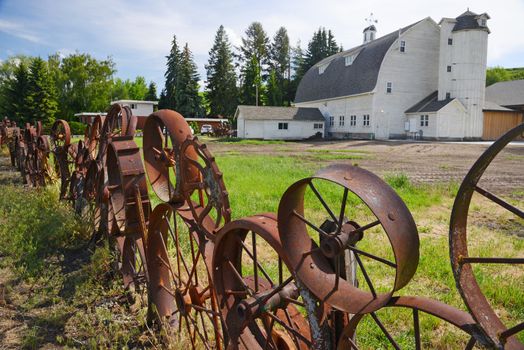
[496, 123]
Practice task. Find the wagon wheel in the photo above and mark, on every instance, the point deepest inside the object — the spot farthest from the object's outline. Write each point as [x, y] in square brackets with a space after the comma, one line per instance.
[95, 135]
[412, 315]
[256, 292]
[462, 263]
[182, 295]
[45, 163]
[131, 208]
[60, 134]
[164, 133]
[207, 190]
[119, 121]
[320, 231]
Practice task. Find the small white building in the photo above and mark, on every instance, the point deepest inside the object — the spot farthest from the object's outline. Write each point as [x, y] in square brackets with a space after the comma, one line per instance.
[279, 123]
[426, 78]
[139, 108]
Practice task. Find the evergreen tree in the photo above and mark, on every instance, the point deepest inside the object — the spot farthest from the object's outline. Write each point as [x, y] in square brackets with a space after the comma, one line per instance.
[151, 92]
[221, 89]
[279, 74]
[17, 91]
[322, 45]
[41, 100]
[297, 69]
[172, 75]
[253, 58]
[187, 98]
[162, 100]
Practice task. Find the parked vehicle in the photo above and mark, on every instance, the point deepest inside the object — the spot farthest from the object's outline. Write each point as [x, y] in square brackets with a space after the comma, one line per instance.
[206, 129]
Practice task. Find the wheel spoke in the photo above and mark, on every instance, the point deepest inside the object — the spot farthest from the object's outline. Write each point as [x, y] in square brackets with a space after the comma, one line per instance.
[371, 256]
[257, 264]
[479, 260]
[366, 276]
[323, 202]
[342, 209]
[512, 331]
[289, 329]
[500, 202]
[385, 331]
[310, 224]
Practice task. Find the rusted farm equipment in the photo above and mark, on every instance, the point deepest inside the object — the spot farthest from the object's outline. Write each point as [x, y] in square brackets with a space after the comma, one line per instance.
[285, 280]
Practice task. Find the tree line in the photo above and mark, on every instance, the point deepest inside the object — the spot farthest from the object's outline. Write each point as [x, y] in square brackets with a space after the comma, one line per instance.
[260, 71]
[32, 88]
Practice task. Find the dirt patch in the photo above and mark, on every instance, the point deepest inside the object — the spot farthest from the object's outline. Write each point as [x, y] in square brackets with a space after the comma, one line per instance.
[423, 162]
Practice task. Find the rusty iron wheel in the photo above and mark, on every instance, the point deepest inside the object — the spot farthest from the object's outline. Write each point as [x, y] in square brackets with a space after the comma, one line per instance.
[130, 207]
[345, 212]
[258, 296]
[462, 263]
[95, 133]
[408, 310]
[45, 162]
[60, 134]
[164, 133]
[182, 297]
[206, 190]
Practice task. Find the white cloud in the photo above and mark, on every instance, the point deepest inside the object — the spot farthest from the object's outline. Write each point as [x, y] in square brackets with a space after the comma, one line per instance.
[17, 30]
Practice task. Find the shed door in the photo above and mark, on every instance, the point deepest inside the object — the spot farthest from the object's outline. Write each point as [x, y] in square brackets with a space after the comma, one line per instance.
[254, 129]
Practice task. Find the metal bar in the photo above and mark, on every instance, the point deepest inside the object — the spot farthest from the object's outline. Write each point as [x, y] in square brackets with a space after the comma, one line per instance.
[385, 331]
[323, 202]
[479, 260]
[310, 224]
[371, 256]
[500, 202]
[416, 327]
[366, 276]
[342, 209]
[511, 331]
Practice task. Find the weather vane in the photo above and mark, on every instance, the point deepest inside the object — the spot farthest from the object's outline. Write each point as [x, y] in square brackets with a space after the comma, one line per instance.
[371, 19]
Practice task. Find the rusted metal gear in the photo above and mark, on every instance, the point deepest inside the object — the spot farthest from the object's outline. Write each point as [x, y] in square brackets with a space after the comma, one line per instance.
[317, 230]
[164, 133]
[258, 296]
[417, 306]
[206, 194]
[130, 207]
[60, 134]
[181, 293]
[461, 262]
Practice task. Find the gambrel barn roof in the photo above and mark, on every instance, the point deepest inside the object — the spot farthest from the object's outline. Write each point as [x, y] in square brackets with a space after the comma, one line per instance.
[339, 80]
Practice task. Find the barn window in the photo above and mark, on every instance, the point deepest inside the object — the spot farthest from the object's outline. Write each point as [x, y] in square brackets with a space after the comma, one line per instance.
[450, 41]
[389, 87]
[322, 68]
[341, 120]
[282, 126]
[402, 46]
[449, 68]
[366, 120]
[331, 121]
[353, 120]
[318, 126]
[448, 95]
[424, 120]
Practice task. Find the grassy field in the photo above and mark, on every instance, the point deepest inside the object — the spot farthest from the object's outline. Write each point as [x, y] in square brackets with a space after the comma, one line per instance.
[41, 238]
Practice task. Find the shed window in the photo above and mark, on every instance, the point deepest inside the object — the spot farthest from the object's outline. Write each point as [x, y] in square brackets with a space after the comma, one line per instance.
[282, 126]
[133, 106]
[366, 120]
[318, 126]
[352, 120]
[450, 41]
[389, 87]
[449, 68]
[341, 120]
[424, 120]
[402, 46]
[331, 121]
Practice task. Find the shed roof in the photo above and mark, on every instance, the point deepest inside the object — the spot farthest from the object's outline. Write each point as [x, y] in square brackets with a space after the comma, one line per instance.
[429, 104]
[492, 106]
[506, 93]
[280, 113]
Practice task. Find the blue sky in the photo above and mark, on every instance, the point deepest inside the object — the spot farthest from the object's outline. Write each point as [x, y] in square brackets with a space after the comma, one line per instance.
[137, 34]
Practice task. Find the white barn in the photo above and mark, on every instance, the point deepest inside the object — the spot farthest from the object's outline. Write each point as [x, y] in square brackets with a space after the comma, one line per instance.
[282, 123]
[426, 79]
[139, 108]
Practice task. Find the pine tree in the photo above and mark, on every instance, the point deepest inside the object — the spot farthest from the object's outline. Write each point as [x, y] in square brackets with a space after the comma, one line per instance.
[253, 58]
[171, 75]
[42, 97]
[151, 92]
[17, 93]
[279, 64]
[221, 89]
[297, 68]
[187, 98]
[322, 45]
